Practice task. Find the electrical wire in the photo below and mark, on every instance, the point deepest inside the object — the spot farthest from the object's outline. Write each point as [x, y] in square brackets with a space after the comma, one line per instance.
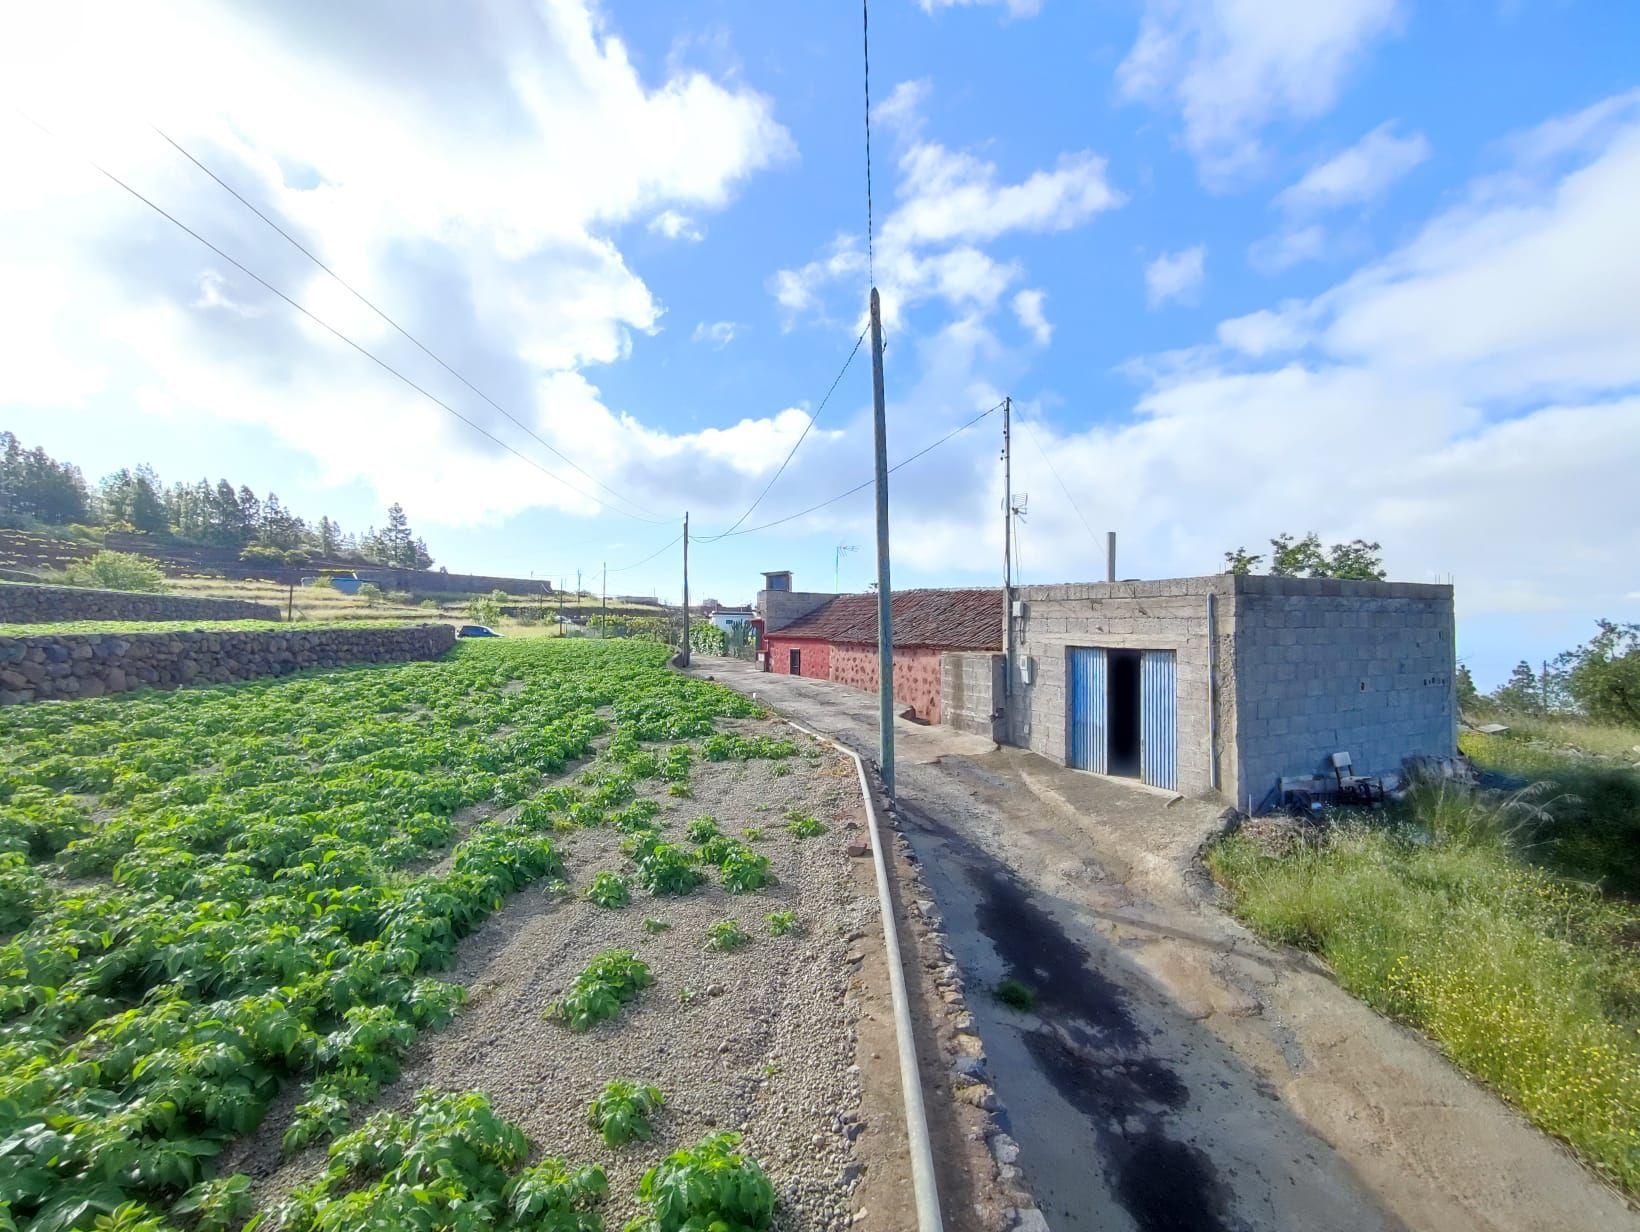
[370, 355]
[791, 452]
[624, 568]
[421, 346]
[860, 487]
[1055, 470]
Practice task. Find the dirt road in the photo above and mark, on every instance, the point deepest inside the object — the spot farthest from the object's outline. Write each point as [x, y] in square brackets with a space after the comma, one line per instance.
[1175, 1072]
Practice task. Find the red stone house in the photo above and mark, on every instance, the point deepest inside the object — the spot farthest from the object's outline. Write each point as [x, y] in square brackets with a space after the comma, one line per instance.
[837, 640]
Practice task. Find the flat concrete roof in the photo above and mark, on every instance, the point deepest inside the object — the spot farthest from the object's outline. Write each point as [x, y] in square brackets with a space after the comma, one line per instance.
[1239, 584]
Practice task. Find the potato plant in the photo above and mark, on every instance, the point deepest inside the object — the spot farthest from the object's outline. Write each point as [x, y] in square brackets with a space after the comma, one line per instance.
[707, 1186]
[725, 936]
[261, 899]
[800, 824]
[608, 889]
[608, 982]
[621, 1112]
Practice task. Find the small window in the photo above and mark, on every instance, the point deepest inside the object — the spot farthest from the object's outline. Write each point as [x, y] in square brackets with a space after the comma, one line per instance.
[795, 663]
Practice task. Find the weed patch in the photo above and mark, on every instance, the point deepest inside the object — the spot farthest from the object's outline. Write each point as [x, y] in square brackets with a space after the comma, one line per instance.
[1526, 980]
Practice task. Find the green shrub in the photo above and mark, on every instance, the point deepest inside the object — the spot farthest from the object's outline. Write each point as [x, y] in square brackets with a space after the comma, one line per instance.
[803, 825]
[621, 1113]
[701, 829]
[115, 571]
[725, 936]
[709, 1187]
[782, 922]
[608, 982]
[608, 890]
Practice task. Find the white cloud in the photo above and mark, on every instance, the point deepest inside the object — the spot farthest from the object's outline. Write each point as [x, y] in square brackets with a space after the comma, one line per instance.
[1231, 68]
[1287, 248]
[1359, 174]
[1472, 402]
[676, 226]
[1016, 8]
[1264, 333]
[1176, 276]
[902, 110]
[471, 196]
[1028, 310]
[719, 333]
[950, 202]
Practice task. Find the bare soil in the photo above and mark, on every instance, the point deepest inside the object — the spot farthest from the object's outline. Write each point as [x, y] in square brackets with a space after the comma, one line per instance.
[783, 1040]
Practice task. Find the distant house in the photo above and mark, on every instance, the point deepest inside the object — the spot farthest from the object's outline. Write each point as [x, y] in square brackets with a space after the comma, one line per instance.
[727, 618]
[834, 637]
[1225, 684]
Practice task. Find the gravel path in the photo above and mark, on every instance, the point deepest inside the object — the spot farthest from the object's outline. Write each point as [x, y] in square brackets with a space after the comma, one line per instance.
[761, 1040]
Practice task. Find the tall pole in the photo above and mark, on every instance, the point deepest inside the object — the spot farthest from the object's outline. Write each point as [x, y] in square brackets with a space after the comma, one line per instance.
[684, 653]
[603, 610]
[1110, 556]
[1007, 546]
[885, 592]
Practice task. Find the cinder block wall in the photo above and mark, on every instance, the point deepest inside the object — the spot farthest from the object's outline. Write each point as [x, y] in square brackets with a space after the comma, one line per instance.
[1160, 615]
[1366, 668]
[971, 689]
[780, 608]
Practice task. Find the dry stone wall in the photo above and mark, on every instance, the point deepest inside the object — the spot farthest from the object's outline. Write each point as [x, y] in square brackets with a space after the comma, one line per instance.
[32, 605]
[74, 665]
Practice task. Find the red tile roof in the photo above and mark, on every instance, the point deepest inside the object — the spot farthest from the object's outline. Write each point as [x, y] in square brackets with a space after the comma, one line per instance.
[969, 619]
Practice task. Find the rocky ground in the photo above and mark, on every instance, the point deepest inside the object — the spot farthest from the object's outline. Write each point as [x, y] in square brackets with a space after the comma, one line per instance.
[766, 1040]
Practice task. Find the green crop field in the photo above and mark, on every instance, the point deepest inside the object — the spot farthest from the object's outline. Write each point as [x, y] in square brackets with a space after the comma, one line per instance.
[210, 895]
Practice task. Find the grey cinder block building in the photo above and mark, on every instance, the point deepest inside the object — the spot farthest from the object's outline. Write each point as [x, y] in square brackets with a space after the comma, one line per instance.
[1220, 684]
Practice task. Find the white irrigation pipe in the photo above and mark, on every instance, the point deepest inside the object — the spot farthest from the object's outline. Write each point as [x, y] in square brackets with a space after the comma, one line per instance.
[916, 1119]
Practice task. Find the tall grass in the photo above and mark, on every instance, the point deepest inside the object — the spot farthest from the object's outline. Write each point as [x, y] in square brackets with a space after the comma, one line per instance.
[1526, 980]
[1591, 829]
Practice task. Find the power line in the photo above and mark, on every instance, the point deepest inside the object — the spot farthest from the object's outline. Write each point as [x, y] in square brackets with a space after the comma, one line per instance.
[421, 346]
[669, 544]
[860, 487]
[793, 451]
[371, 356]
[1055, 471]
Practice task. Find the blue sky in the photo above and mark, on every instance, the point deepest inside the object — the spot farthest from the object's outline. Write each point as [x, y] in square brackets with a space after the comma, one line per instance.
[1363, 268]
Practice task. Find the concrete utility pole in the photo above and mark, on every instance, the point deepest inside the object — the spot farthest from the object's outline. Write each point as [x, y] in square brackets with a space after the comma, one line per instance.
[885, 591]
[603, 610]
[1007, 547]
[1110, 556]
[684, 652]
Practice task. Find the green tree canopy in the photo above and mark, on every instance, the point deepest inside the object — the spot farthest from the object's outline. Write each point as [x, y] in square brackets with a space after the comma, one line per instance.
[1356, 560]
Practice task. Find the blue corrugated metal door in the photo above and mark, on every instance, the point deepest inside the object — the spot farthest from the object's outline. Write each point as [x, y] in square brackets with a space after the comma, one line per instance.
[1086, 670]
[1158, 721]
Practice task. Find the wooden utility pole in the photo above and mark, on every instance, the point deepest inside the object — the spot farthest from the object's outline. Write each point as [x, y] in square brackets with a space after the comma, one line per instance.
[1007, 547]
[885, 592]
[683, 653]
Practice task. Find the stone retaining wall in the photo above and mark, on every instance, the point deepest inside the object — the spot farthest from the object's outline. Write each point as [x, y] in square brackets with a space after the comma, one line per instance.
[91, 664]
[32, 605]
